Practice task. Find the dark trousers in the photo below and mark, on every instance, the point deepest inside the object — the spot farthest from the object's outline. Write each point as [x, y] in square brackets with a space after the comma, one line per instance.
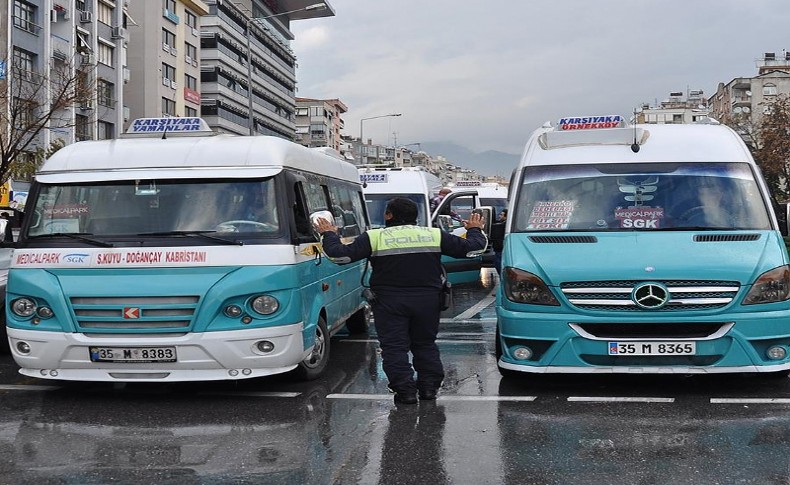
[408, 320]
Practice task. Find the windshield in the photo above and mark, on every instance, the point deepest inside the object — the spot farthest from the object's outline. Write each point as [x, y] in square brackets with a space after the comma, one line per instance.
[155, 206]
[378, 202]
[650, 197]
[497, 203]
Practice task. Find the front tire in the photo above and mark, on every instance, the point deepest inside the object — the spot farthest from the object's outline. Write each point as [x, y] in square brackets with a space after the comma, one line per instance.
[315, 363]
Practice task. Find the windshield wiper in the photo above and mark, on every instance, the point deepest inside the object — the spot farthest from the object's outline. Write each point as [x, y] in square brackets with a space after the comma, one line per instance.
[202, 234]
[79, 236]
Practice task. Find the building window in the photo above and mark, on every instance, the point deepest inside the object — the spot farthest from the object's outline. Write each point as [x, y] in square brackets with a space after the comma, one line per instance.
[191, 19]
[190, 112]
[105, 91]
[168, 107]
[24, 62]
[104, 13]
[105, 131]
[25, 16]
[80, 5]
[168, 39]
[82, 130]
[168, 72]
[190, 82]
[769, 90]
[170, 5]
[191, 51]
[105, 54]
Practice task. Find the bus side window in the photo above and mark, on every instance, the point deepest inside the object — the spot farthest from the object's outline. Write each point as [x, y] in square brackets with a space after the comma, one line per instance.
[303, 229]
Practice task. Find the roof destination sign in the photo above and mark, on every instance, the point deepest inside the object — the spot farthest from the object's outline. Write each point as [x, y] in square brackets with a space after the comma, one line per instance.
[591, 122]
[168, 125]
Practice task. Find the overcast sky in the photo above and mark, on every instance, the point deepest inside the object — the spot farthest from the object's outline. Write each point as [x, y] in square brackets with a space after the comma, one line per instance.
[485, 74]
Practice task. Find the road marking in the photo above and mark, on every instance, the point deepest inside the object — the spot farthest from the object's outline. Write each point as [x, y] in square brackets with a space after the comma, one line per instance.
[380, 397]
[26, 387]
[476, 308]
[750, 400]
[253, 394]
[438, 341]
[620, 399]
[469, 320]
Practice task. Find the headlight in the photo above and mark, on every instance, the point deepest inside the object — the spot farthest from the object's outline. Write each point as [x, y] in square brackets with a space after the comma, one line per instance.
[524, 287]
[23, 307]
[265, 304]
[771, 286]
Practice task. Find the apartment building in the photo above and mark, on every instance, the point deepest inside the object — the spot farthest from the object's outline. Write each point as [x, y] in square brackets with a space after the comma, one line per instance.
[679, 108]
[745, 100]
[248, 70]
[319, 122]
[164, 59]
[47, 41]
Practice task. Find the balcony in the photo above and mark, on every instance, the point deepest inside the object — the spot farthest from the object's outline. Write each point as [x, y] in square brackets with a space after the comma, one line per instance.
[61, 47]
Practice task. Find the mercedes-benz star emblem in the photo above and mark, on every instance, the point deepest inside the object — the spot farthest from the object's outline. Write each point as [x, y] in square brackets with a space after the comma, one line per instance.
[650, 296]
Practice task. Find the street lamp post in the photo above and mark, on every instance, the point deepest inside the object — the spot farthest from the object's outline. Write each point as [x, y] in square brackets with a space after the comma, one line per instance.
[250, 21]
[361, 135]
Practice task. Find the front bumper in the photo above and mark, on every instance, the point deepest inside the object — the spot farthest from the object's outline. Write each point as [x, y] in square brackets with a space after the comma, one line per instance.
[201, 356]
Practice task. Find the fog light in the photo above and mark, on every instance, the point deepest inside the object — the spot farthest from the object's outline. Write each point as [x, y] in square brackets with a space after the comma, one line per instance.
[522, 353]
[35, 320]
[54, 373]
[246, 372]
[44, 372]
[23, 347]
[265, 346]
[233, 372]
[232, 311]
[776, 352]
[246, 319]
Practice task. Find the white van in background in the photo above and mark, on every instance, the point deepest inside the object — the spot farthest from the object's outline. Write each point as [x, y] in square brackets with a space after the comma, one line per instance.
[380, 184]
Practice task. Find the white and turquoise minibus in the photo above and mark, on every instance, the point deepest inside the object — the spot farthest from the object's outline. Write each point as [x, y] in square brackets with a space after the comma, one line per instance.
[641, 249]
[174, 254]
[380, 184]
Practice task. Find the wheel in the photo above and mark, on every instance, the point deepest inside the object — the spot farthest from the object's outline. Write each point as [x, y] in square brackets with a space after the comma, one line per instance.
[315, 363]
[235, 226]
[359, 322]
[5, 348]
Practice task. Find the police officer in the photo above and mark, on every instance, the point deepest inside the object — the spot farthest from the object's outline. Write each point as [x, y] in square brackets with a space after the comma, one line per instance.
[407, 283]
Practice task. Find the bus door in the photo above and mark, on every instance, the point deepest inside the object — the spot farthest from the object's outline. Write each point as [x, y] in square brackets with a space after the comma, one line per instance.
[448, 216]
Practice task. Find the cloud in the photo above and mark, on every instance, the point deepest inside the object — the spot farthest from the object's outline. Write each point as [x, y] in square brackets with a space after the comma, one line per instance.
[485, 75]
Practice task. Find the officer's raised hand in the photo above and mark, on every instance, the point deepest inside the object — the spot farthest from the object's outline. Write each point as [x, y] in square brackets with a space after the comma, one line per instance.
[475, 220]
[322, 225]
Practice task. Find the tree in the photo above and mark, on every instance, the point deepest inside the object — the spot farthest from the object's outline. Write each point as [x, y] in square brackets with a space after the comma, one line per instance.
[773, 152]
[31, 102]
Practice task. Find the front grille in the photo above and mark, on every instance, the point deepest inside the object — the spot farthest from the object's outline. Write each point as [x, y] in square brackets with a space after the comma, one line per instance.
[726, 237]
[563, 239]
[150, 313]
[683, 295]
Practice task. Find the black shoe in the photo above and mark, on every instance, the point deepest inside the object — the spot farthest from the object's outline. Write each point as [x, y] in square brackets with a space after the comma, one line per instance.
[405, 398]
[428, 395]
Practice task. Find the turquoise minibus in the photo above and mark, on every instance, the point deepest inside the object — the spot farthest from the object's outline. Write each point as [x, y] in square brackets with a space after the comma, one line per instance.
[641, 249]
[178, 254]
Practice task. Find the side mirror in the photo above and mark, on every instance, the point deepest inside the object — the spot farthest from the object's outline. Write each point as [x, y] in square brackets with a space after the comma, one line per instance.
[320, 215]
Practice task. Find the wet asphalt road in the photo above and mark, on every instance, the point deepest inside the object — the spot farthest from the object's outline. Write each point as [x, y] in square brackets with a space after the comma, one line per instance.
[344, 428]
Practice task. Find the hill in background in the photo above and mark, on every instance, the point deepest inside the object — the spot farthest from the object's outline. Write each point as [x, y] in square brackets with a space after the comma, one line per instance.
[488, 163]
